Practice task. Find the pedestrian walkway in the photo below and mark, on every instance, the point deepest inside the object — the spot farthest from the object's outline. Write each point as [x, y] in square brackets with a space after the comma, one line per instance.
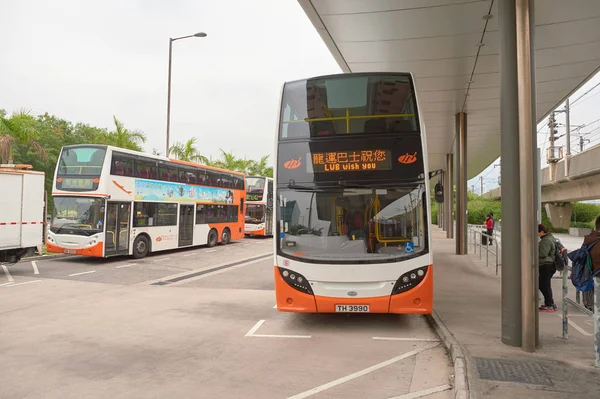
[468, 301]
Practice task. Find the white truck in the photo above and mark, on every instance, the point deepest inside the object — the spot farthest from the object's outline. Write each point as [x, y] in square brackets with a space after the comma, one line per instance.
[22, 212]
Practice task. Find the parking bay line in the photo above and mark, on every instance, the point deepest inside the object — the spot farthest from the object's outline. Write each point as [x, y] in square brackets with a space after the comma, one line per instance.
[192, 254]
[26, 282]
[205, 272]
[7, 273]
[35, 268]
[362, 372]
[252, 333]
[577, 327]
[126, 265]
[79, 274]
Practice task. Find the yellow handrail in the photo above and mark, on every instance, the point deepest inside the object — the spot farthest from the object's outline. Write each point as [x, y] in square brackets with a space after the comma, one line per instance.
[341, 118]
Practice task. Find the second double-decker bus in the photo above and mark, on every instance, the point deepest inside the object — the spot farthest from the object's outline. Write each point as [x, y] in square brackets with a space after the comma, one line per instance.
[259, 208]
[111, 201]
[351, 185]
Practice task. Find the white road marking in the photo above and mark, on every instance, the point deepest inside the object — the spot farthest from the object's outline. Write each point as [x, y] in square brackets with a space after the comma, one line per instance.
[405, 339]
[360, 373]
[35, 268]
[575, 326]
[275, 307]
[253, 330]
[245, 245]
[211, 250]
[127, 265]
[2, 285]
[79, 274]
[26, 282]
[158, 260]
[210, 274]
[424, 392]
[192, 254]
[7, 273]
[256, 327]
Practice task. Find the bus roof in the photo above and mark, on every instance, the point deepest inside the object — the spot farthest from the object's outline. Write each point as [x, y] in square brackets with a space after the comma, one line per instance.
[158, 157]
[339, 75]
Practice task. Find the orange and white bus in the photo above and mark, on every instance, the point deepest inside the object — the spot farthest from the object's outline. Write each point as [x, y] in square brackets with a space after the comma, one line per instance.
[111, 201]
[351, 184]
[259, 209]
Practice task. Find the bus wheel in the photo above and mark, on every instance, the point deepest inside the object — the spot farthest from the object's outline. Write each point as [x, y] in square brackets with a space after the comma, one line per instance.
[140, 247]
[213, 239]
[226, 236]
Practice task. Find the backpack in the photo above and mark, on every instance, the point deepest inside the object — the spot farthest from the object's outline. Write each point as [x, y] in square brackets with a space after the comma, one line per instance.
[561, 256]
[581, 272]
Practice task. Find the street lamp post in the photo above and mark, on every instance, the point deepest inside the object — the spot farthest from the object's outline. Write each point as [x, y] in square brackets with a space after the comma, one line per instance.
[171, 40]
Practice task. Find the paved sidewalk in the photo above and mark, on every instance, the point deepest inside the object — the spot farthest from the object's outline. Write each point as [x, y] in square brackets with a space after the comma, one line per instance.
[467, 299]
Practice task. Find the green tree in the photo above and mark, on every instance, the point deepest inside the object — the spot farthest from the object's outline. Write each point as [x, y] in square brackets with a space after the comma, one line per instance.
[261, 168]
[19, 132]
[125, 138]
[188, 152]
[231, 162]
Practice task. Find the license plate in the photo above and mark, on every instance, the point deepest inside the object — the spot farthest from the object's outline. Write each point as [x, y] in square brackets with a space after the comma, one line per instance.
[352, 308]
[70, 251]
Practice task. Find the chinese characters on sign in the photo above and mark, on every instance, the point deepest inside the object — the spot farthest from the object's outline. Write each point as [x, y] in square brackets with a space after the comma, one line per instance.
[357, 160]
[77, 184]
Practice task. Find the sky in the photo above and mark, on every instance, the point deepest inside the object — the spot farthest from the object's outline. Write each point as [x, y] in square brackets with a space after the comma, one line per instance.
[86, 61]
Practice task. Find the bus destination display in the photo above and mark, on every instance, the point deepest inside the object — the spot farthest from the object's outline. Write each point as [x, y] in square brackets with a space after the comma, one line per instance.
[69, 183]
[352, 161]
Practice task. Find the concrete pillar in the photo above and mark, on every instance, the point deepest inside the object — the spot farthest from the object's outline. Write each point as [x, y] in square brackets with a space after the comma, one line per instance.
[461, 184]
[560, 216]
[509, 173]
[449, 196]
[527, 155]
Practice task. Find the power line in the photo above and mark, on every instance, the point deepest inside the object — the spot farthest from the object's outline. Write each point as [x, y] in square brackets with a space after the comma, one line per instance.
[584, 94]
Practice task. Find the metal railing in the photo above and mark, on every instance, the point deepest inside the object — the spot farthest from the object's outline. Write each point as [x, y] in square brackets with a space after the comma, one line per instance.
[566, 301]
[476, 235]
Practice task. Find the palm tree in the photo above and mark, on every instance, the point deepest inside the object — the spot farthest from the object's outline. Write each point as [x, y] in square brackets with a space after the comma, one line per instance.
[231, 162]
[19, 131]
[125, 138]
[188, 152]
[260, 168]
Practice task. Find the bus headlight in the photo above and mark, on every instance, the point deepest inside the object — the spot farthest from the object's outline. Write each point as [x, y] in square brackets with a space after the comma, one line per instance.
[410, 280]
[296, 280]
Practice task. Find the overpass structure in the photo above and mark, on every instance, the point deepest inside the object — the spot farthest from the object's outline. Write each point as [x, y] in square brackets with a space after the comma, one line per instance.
[486, 71]
[574, 178]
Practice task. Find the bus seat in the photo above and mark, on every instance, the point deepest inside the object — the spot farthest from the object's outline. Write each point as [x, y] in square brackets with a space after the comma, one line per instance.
[322, 128]
[401, 125]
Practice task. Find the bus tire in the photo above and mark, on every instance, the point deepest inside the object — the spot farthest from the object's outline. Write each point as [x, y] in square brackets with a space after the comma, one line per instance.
[213, 238]
[226, 236]
[141, 247]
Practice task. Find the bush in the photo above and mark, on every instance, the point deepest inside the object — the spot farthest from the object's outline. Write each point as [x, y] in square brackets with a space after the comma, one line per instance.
[580, 225]
[585, 212]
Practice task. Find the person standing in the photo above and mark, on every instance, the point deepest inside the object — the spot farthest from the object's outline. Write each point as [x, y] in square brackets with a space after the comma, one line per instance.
[547, 251]
[588, 296]
[489, 225]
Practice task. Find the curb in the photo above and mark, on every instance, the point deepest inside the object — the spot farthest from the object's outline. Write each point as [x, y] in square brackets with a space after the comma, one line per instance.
[461, 381]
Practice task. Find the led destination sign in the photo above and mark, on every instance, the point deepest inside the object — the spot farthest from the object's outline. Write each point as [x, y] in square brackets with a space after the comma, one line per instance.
[352, 161]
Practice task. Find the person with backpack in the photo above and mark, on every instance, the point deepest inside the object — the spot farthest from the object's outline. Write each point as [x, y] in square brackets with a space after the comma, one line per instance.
[547, 254]
[588, 296]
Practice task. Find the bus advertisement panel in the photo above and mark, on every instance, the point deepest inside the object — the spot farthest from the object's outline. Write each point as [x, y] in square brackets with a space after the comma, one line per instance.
[352, 188]
[259, 212]
[110, 201]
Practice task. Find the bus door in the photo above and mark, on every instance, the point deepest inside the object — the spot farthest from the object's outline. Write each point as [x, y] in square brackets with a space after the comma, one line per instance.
[118, 216]
[186, 225]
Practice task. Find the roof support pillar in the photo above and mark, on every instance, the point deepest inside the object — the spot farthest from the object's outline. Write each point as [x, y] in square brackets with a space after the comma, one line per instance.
[519, 152]
[461, 184]
[449, 197]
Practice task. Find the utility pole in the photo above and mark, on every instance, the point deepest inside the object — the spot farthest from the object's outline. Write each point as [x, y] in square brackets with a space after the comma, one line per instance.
[481, 185]
[582, 141]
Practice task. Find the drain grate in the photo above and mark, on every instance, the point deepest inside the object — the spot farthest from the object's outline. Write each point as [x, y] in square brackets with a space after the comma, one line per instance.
[512, 371]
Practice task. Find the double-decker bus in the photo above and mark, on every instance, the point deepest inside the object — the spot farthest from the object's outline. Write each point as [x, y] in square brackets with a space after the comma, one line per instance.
[352, 184]
[259, 208]
[111, 201]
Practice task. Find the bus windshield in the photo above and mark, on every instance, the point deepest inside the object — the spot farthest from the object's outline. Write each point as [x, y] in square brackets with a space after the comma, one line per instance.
[255, 188]
[343, 105]
[77, 216]
[358, 225]
[86, 161]
[255, 213]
